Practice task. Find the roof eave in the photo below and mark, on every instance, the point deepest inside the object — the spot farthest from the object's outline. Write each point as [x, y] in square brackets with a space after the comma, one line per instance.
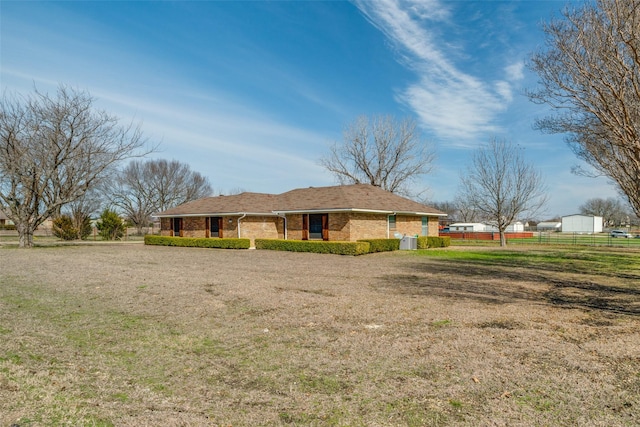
[215, 214]
[297, 211]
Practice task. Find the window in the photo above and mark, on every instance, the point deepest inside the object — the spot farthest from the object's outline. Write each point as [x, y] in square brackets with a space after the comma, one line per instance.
[392, 222]
[425, 225]
[177, 227]
[215, 226]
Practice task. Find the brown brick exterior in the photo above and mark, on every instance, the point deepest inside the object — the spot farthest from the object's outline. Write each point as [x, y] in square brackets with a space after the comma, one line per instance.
[261, 227]
[343, 226]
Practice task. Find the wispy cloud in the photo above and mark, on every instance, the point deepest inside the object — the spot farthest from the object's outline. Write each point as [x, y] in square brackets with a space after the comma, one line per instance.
[450, 102]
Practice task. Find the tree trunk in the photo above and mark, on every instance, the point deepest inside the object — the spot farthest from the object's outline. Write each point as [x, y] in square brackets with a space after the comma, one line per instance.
[503, 238]
[25, 233]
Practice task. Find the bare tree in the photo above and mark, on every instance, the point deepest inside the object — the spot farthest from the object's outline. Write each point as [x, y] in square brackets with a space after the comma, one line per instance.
[590, 74]
[381, 151]
[448, 207]
[467, 212]
[143, 188]
[458, 210]
[54, 149]
[612, 210]
[501, 185]
[175, 183]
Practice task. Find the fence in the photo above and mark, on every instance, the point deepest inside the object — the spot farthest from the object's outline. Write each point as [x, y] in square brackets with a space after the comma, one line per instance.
[485, 235]
[549, 238]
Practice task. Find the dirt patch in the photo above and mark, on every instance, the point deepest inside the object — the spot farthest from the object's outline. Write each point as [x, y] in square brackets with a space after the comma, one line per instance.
[134, 335]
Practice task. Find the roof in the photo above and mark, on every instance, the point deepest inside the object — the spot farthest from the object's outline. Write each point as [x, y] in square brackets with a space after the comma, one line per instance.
[356, 197]
[581, 215]
[255, 203]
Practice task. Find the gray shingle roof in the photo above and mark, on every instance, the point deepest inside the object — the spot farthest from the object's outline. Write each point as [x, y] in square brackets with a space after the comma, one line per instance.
[356, 197]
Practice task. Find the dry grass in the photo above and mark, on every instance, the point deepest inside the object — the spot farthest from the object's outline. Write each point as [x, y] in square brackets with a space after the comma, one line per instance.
[143, 336]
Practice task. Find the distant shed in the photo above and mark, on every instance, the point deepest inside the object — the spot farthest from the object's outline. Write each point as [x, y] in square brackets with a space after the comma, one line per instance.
[581, 224]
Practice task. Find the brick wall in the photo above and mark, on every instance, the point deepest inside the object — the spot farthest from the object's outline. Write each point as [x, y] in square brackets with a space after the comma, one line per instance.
[294, 227]
[339, 226]
[194, 227]
[262, 227]
[367, 226]
[165, 227]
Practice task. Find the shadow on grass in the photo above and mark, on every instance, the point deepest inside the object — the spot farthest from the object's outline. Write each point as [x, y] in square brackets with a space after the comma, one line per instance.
[492, 285]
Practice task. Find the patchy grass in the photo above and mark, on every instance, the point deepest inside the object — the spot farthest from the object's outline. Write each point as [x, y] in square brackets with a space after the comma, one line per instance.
[128, 335]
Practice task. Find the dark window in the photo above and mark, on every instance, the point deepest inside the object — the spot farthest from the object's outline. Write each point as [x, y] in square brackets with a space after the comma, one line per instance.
[215, 226]
[177, 226]
[392, 222]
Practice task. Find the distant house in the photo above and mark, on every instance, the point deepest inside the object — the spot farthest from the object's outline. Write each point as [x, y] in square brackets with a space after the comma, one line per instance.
[4, 220]
[516, 227]
[467, 226]
[549, 226]
[344, 212]
[581, 224]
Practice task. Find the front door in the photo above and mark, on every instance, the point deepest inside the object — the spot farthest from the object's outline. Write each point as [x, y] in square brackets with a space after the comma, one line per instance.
[319, 226]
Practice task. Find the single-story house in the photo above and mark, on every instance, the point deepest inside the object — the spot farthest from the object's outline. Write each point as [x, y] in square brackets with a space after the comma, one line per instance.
[4, 220]
[516, 227]
[582, 224]
[342, 213]
[467, 226]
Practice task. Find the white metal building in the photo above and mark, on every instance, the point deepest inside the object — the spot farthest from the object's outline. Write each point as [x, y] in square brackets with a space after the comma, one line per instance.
[467, 226]
[581, 224]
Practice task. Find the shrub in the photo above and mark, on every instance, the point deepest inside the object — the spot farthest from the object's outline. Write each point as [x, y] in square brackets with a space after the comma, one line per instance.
[425, 242]
[151, 239]
[110, 225]
[62, 228]
[315, 246]
[382, 245]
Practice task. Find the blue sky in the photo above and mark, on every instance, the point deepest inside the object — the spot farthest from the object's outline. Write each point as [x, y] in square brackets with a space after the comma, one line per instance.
[252, 94]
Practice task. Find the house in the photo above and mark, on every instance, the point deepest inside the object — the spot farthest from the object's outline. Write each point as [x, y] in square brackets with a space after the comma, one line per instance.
[342, 213]
[581, 224]
[467, 226]
[4, 220]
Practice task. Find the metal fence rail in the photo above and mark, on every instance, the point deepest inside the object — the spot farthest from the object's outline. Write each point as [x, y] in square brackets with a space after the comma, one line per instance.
[577, 239]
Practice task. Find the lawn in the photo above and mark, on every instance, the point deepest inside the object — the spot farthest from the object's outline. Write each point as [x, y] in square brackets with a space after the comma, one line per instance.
[129, 335]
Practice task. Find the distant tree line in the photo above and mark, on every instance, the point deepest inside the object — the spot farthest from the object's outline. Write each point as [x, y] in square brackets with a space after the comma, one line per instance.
[61, 157]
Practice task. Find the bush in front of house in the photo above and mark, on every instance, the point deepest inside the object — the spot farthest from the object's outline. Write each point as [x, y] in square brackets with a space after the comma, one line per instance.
[425, 242]
[151, 239]
[315, 246]
[382, 245]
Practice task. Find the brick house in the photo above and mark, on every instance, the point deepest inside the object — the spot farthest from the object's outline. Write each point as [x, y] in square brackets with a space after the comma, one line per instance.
[344, 213]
